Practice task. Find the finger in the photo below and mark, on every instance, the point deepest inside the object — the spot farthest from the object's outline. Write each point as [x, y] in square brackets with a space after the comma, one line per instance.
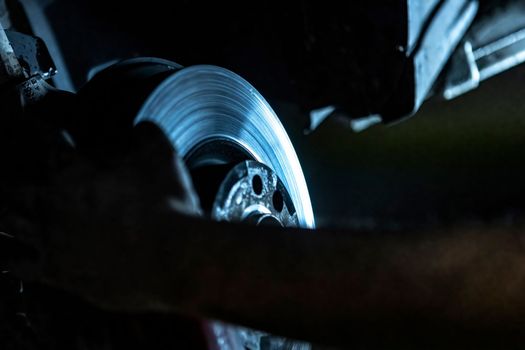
[165, 168]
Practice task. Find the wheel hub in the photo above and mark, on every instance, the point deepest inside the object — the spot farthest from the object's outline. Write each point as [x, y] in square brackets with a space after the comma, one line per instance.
[253, 193]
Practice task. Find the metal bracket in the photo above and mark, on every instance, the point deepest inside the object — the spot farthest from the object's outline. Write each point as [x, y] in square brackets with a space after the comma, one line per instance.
[32, 54]
[492, 46]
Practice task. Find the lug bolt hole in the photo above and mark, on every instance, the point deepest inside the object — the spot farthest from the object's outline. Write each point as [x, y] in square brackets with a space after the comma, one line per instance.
[278, 201]
[257, 184]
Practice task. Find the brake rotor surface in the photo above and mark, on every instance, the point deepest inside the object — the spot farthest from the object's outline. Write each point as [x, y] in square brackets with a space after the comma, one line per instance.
[201, 104]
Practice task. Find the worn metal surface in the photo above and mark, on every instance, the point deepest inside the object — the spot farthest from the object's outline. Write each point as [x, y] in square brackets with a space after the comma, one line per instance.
[25, 65]
[252, 192]
[201, 103]
[10, 70]
[32, 54]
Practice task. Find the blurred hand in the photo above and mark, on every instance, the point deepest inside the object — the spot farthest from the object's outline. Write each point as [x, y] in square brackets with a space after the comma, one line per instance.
[76, 216]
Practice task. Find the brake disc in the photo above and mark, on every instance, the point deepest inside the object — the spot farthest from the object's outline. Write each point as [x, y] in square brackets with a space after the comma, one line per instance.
[204, 104]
